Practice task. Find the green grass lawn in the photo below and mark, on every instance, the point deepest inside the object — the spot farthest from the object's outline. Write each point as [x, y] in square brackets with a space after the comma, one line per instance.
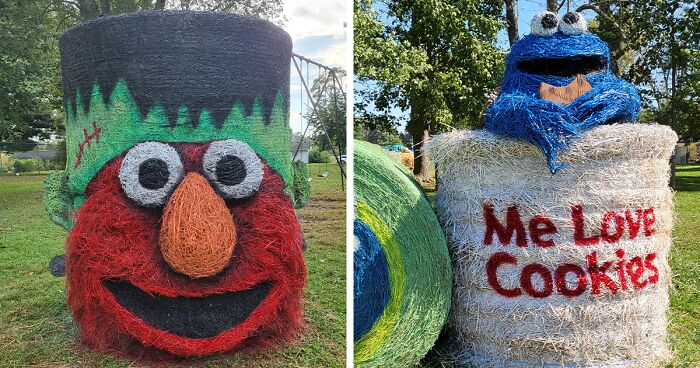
[685, 263]
[36, 328]
[684, 314]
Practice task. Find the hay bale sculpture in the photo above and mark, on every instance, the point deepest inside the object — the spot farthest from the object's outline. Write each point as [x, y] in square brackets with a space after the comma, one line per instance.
[177, 190]
[559, 214]
[402, 270]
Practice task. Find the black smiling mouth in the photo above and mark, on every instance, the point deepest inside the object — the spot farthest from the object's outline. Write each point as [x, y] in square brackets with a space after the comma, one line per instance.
[195, 318]
[563, 67]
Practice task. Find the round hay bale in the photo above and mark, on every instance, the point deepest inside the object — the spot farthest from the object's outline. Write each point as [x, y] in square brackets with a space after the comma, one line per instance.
[402, 267]
[178, 189]
[568, 269]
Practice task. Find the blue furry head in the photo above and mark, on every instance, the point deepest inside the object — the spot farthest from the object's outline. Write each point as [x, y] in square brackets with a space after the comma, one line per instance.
[559, 52]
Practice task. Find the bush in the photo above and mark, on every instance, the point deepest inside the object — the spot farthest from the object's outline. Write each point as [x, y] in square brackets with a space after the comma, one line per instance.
[34, 164]
[317, 156]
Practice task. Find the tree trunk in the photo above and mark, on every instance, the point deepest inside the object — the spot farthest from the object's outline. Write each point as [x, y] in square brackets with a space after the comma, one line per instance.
[512, 18]
[552, 6]
[420, 163]
[674, 48]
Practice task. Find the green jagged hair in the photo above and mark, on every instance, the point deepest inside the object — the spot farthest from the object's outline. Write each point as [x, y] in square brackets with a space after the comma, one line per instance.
[120, 126]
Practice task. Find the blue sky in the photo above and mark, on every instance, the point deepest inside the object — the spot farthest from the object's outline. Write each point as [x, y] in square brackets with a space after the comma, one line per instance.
[318, 33]
[526, 10]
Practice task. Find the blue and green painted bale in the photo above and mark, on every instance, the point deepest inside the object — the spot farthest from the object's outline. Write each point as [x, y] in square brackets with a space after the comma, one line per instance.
[402, 270]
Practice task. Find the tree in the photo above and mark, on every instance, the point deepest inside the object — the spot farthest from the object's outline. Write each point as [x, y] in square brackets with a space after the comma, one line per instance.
[656, 45]
[331, 108]
[30, 89]
[512, 19]
[434, 59]
[383, 136]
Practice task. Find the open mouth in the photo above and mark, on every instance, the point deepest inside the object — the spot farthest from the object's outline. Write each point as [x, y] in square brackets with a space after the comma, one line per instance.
[563, 67]
[196, 318]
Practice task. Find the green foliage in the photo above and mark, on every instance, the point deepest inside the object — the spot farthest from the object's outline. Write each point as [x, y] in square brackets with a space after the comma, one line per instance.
[27, 165]
[436, 58]
[656, 45]
[381, 135]
[30, 89]
[318, 156]
[331, 106]
[265, 9]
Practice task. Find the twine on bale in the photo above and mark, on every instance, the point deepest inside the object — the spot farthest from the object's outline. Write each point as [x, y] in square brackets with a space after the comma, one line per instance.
[413, 294]
[563, 270]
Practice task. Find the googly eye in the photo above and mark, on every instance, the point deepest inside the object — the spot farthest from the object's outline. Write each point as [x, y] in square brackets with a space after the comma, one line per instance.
[573, 24]
[233, 168]
[149, 173]
[544, 24]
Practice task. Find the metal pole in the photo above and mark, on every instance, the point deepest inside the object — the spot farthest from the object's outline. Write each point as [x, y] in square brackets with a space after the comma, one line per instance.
[307, 124]
[318, 115]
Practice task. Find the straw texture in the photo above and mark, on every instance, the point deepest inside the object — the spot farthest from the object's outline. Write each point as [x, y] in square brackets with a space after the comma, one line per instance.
[178, 185]
[556, 60]
[558, 270]
[391, 210]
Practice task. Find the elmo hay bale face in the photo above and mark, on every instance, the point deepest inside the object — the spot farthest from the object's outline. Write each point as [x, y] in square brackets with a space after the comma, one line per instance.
[179, 192]
[185, 247]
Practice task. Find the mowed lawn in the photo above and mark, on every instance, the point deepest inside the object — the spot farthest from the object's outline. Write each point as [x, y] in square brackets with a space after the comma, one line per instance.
[685, 263]
[36, 328]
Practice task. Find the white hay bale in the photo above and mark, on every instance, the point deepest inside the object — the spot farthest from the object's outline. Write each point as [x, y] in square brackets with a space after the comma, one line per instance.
[539, 306]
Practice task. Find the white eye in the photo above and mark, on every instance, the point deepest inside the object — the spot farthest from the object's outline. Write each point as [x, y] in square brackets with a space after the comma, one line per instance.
[234, 168]
[544, 24]
[573, 24]
[149, 173]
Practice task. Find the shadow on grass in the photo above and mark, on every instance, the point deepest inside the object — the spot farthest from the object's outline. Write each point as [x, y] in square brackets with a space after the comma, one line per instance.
[688, 178]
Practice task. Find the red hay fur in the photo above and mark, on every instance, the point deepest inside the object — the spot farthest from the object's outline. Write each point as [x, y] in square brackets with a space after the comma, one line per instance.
[114, 238]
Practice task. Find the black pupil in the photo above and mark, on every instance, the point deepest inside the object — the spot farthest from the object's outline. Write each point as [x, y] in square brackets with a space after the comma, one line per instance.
[153, 173]
[549, 21]
[230, 170]
[570, 18]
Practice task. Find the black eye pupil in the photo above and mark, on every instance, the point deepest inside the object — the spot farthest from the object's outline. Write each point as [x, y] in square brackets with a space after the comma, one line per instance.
[230, 170]
[153, 173]
[549, 21]
[570, 18]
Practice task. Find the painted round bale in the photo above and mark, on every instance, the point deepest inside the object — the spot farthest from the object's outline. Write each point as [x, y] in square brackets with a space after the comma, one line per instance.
[179, 188]
[402, 270]
[569, 269]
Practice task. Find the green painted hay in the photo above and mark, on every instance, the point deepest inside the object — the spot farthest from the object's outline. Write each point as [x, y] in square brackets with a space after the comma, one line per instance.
[301, 187]
[392, 205]
[121, 127]
[56, 199]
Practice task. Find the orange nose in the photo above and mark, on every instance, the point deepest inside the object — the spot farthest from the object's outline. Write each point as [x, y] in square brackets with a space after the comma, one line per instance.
[197, 235]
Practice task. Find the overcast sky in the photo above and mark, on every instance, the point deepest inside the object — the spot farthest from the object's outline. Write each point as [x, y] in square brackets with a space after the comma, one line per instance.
[318, 33]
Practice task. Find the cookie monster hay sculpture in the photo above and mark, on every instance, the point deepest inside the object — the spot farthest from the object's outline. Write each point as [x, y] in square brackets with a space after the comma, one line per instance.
[558, 83]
